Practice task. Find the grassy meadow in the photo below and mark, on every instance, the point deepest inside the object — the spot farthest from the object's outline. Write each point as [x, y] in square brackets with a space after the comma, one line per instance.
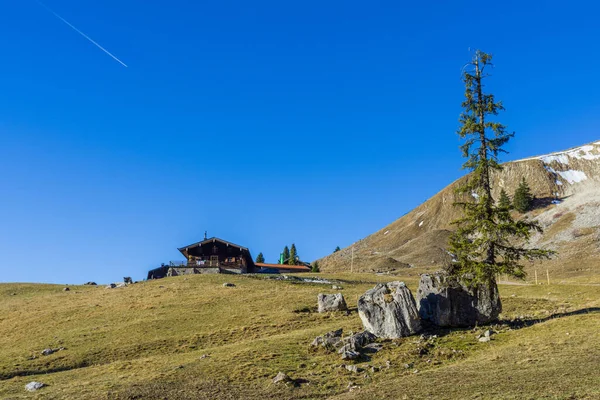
[191, 338]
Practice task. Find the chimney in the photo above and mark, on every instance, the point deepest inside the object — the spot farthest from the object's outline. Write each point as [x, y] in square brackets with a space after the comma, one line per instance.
[205, 235]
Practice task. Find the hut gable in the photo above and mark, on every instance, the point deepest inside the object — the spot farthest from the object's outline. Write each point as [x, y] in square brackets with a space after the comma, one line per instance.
[218, 253]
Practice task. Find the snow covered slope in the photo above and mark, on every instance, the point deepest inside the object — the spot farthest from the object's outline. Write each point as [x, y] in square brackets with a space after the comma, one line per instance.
[567, 189]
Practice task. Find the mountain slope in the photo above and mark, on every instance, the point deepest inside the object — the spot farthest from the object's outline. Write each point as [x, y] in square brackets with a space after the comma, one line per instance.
[566, 185]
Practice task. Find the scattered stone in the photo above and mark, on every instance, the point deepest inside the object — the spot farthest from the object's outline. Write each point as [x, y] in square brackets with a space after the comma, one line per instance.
[66, 289]
[228, 284]
[447, 302]
[33, 386]
[161, 287]
[375, 369]
[372, 347]
[120, 284]
[484, 339]
[127, 280]
[90, 283]
[389, 311]
[203, 356]
[47, 352]
[353, 368]
[348, 354]
[408, 366]
[351, 386]
[488, 333]
[111, 286]
[330, 340]
[416, 371]
[281, 377]
[331, 302]
[335, 287]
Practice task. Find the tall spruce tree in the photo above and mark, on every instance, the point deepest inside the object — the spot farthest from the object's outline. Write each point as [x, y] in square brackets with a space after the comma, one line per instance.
[523, 198]
[504, 201]
[286, 254]
[260, 258]
[484, 243]
[293, 255]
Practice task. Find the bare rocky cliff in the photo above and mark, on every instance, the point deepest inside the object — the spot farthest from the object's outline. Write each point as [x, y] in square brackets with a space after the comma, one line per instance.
[566, 185]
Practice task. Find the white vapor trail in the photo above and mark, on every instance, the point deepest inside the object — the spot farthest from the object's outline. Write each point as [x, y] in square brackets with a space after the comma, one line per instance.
[82, 34]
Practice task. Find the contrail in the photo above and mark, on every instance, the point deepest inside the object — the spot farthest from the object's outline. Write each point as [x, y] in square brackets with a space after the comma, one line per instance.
[81, 33]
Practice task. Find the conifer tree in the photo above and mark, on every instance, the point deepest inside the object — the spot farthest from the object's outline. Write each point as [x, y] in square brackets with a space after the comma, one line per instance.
[260, 258]
[522, 199]
[286, 253]
[315, 267]
[293, 255]
[337, 248]
[483, 244]
[504, 201]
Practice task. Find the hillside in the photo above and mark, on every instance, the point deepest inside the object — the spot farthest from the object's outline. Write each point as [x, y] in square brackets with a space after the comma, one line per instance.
[192, 338]
[566, 185]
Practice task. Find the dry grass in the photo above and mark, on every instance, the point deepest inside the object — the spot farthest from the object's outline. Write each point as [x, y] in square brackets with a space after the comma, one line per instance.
[147, 341]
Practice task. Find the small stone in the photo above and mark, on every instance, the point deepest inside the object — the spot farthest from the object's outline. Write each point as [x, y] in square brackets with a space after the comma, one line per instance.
[350, 354]
[33, 386]
[228, 284]
[484, 339]
[488, 333]
[353, 368]
[47, 352]
[111, 286]
[408, 366]
[281, 377]
[66, 289]
[416, 371]
[90, 283]
[203, 356]
[335, 287]
[127, 280]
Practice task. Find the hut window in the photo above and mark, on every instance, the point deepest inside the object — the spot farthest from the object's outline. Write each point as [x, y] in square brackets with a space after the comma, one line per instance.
[215, 249]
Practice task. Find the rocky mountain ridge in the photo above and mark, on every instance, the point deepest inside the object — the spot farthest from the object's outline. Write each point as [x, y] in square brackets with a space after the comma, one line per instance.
[566, 186]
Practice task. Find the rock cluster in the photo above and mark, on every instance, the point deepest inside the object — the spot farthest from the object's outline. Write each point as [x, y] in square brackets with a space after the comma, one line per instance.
[331, 302]
[389, 311]
[447, 302]
[350, 347]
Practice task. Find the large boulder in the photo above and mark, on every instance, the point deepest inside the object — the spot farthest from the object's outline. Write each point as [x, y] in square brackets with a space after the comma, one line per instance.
[389, 311]
[446, 301]
[331, 302]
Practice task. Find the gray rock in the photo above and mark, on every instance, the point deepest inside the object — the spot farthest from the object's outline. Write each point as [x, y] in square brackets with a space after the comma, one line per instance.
[335, 287]
[359, 340]
[111, 286]
[484, 339]
[33, 386]
[127, 280]
[389, 311]
[281, 377]
[90, 283]
[330, 340]
[227, 284]
[349, 354]
[331, 302]
[353, 368]
[448, 302]
[47, 352]
[66, 289]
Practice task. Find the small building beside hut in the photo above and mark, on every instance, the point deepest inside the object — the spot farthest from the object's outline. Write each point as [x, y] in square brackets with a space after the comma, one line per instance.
[214, 256]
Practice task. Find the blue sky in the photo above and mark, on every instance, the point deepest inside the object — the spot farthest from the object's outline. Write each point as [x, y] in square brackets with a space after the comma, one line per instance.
[265, 123]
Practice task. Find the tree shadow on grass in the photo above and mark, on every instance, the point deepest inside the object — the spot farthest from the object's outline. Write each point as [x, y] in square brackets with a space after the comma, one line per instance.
[524, 323]
[430, 329]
